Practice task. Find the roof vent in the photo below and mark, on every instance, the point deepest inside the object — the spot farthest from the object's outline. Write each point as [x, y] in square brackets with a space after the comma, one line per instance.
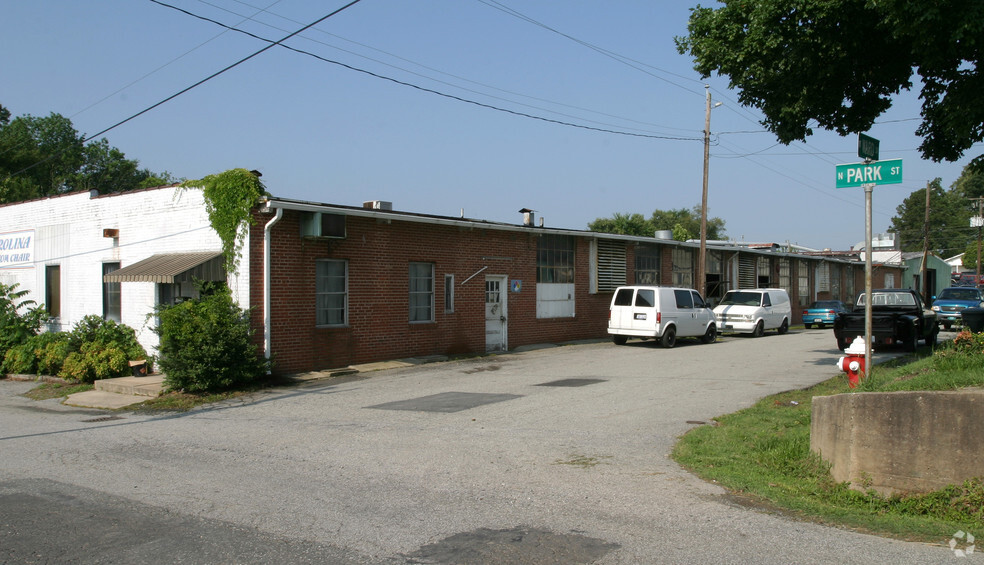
[377, 205]
[528, 219]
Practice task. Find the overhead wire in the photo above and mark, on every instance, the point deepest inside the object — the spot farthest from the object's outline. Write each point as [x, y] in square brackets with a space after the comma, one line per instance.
[438, 71]
[429, 90]
[200, 82]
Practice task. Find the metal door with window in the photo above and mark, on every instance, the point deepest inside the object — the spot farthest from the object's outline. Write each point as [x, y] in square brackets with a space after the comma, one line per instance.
[495, 313]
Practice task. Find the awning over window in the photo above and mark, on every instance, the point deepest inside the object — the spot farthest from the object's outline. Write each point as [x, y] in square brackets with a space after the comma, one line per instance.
[173, 268]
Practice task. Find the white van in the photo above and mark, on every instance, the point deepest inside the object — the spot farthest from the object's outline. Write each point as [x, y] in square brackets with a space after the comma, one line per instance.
[754, 311]
[659, 312]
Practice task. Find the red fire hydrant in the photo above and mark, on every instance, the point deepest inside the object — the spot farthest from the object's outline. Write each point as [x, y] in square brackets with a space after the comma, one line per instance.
[853, 362]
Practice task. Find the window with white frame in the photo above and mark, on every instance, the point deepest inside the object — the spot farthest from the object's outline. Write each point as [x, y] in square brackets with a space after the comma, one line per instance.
[421, 292]
[331, 292]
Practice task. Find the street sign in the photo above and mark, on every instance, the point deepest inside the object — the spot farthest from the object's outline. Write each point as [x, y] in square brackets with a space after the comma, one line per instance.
[867, 147]
[877, 172]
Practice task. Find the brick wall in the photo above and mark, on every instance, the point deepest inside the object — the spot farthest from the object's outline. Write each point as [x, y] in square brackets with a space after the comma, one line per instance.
[379, 253]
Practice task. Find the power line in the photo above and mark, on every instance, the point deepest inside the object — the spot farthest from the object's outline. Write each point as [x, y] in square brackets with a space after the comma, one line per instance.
[440, 72]
[217, 73]
[200, 82]
[422, 88]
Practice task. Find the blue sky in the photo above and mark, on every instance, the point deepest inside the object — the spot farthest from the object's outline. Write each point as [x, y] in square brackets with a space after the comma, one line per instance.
[322, 132]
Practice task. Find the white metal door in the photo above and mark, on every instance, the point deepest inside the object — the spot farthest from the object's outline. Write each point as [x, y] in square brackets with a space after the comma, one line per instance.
[496, 336]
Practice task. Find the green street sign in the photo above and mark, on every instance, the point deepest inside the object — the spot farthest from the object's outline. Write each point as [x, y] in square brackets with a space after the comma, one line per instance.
[867, 147]
[877, 172]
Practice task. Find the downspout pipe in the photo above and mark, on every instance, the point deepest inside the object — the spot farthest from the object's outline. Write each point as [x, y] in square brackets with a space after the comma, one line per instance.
[267, 323]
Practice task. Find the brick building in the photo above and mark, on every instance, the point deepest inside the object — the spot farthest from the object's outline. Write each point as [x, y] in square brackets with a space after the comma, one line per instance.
[332, 285]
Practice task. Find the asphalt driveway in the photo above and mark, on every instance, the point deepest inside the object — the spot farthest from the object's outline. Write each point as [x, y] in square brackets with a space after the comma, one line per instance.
[556, 455]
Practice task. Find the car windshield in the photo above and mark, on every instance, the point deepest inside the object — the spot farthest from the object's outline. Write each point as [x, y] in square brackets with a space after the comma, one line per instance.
[958, 294]
[889, 299]
[742, 299]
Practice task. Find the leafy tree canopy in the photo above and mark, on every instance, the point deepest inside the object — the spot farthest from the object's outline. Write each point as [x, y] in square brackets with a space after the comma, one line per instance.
[949, 216]
[840, 62]
[46, 156]
[684, 223]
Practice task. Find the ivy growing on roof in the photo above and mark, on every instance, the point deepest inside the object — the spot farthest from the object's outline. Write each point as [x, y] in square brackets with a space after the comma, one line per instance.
[229, 198]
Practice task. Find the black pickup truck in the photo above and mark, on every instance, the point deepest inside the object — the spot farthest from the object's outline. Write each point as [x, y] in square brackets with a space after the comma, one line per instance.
[898, 316]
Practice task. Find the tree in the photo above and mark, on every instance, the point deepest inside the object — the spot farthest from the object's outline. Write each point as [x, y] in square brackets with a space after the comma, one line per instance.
[46, 156]
[949, 216]
[37, 156]
[685, 224]
[840, 62]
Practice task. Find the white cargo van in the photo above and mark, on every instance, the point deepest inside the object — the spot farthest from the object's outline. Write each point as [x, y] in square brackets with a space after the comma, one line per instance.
[658, 312]
[754, 311]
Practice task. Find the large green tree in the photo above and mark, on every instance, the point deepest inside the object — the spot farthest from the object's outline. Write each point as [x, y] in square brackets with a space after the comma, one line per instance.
[949, 216]
[838, 63]
[684, 223]
[43, 156]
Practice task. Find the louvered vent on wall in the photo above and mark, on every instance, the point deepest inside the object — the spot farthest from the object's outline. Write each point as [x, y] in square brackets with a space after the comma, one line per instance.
[611, 264]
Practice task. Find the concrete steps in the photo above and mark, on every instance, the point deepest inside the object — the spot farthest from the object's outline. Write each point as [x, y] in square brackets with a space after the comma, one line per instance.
[118, 393]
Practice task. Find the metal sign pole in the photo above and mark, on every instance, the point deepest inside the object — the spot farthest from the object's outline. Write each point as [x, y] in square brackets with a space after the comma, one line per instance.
[867, 278]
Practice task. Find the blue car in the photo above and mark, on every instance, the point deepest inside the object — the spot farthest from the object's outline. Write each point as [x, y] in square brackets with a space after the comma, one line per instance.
[951, 302]
[822, 313]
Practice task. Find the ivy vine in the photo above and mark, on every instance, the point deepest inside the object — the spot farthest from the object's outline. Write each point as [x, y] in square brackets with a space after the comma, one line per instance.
[230, 197]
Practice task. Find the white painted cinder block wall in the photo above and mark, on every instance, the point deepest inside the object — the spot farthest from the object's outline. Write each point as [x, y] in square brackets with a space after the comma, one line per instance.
[68, 231]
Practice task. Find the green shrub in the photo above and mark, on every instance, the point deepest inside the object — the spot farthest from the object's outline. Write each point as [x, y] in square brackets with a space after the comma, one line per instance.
[93, 329]
[19, 318]
[41, 354]
[20, 359]
[206, 344]
[95, 361]
[51, 351]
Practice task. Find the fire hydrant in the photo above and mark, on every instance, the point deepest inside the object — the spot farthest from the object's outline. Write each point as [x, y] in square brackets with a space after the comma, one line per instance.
[853, 362]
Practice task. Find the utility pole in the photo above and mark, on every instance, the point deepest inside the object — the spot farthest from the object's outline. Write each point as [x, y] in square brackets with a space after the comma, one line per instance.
[702, 259]
[927, 292]
[980, 219]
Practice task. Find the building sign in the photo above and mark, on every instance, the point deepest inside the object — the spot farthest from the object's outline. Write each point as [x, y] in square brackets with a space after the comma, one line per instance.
[17, 250]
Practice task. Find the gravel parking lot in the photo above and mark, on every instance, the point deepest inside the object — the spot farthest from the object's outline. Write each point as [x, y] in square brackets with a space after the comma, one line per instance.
[556, 455]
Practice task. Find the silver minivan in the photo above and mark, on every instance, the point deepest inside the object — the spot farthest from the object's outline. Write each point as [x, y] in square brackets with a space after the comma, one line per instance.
[662, 313]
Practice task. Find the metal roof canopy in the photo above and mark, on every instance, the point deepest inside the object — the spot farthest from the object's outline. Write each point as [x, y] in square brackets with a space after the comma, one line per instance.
[173, 268]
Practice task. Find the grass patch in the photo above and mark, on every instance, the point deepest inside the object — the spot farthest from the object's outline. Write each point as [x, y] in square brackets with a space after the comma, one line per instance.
[47, 391]
[763, 453]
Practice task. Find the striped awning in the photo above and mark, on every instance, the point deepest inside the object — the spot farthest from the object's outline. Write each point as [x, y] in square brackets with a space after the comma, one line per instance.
[173, 268]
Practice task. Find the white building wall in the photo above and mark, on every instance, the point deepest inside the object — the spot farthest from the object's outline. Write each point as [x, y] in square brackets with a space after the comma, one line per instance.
[68, 231]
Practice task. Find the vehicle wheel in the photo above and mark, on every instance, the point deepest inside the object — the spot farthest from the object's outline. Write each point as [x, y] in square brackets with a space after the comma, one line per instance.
[620, 339]
[934, 338]
[710, 336]
[843, 344]
[759, 330]
[807, 326]
[784, 327]
[911, 343]
[946, 326]
[669, 337]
